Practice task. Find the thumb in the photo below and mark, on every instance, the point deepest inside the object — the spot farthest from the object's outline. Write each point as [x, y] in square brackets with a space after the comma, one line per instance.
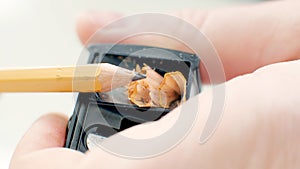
[47, 132]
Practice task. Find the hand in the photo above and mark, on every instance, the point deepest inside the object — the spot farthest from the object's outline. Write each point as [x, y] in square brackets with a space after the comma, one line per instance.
[260, 123]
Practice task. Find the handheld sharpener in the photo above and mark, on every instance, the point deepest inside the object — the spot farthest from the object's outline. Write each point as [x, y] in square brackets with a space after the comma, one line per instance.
[105, 114]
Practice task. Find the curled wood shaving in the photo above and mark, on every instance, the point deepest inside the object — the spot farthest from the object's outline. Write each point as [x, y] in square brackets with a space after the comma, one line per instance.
[157, 91]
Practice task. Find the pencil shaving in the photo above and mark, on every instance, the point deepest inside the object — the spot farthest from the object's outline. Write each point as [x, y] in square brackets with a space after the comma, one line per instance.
[157, 91]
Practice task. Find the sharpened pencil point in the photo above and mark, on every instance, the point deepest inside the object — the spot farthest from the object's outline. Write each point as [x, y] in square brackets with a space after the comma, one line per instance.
[138, 76]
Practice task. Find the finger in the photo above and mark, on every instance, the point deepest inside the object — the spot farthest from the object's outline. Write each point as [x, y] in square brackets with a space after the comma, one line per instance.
[250, 37]
[253, 134]
[246, 38]
[89, 23]
[155, 133]
[48, 159]
[47, 132]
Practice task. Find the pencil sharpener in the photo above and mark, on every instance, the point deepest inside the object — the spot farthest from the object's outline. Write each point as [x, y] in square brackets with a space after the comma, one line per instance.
[105, 114]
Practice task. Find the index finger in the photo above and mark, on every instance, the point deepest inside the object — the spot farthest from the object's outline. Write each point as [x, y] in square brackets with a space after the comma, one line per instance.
[246, 37]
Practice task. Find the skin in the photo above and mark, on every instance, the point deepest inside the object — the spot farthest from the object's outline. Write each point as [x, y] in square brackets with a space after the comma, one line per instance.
[260, 123]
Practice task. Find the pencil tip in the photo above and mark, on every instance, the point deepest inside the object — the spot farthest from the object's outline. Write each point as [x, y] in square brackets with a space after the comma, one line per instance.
[138, 76]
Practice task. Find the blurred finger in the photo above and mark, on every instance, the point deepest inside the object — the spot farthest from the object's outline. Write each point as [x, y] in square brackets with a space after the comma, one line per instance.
[48, 159]
[246, 37]
[47, 132]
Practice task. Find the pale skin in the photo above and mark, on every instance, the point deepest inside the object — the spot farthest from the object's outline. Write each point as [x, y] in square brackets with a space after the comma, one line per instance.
[260, 123]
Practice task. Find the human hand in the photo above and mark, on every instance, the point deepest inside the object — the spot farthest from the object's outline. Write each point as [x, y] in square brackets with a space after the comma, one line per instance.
[259, 127]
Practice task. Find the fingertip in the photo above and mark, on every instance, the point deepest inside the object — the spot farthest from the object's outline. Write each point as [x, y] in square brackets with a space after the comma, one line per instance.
[52, 126]
[53, 116]
[89, 22]
[52, 121]
[46, 132]
[84, 28]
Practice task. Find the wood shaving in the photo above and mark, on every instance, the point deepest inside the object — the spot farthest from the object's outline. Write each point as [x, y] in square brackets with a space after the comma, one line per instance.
[157, 91]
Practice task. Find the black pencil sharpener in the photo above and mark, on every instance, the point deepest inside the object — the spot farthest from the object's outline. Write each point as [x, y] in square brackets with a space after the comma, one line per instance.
[105, 114]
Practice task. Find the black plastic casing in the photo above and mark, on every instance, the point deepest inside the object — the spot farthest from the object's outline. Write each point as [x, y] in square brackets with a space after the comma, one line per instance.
[94, 115]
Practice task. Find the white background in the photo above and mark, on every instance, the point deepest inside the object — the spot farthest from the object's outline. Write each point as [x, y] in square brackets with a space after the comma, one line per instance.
[42, 33]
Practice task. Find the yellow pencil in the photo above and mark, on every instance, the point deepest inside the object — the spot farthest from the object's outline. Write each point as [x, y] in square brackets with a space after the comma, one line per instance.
[101, 77]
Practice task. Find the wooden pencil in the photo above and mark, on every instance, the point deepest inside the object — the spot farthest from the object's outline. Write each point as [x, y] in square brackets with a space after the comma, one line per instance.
[101, 77]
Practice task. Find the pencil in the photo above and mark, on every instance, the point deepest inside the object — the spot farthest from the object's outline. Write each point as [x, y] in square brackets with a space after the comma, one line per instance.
[101, 77]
